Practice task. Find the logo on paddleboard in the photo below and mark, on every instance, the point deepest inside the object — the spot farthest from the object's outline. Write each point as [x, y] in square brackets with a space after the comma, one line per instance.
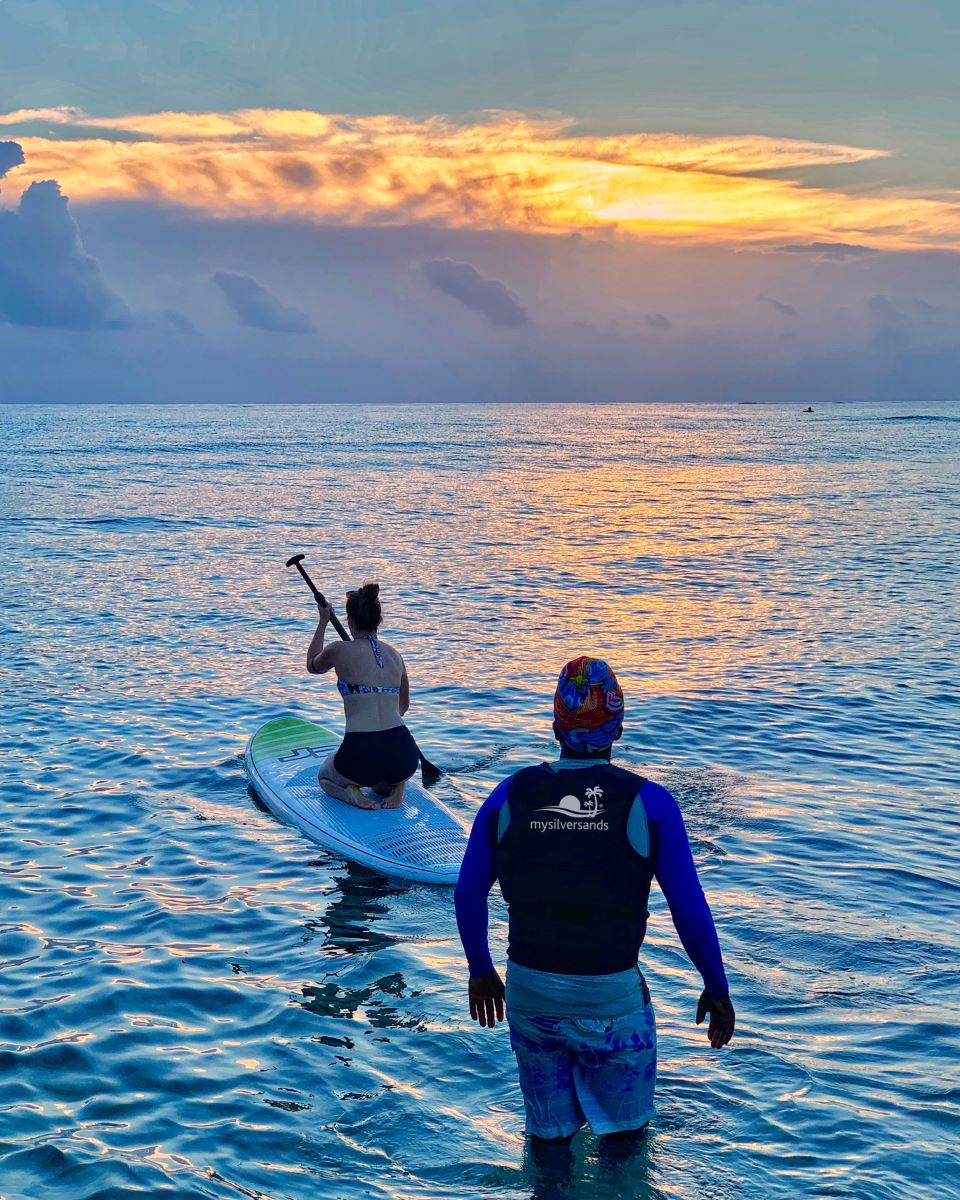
[305, 752]
[574, 812]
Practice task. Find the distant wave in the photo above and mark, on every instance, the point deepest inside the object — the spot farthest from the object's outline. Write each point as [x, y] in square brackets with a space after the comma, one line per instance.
[143, 524]
[133, 524]
[930, 418]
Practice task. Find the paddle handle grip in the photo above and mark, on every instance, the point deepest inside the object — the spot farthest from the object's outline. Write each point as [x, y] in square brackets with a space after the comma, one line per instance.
[322, 602]
[334, 619]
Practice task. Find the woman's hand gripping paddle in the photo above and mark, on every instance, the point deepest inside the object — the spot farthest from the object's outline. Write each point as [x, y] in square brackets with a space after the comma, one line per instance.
[317, 595]
[428, 772]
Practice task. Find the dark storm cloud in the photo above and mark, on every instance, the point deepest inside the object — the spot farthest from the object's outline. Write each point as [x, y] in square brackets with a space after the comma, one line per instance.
[256, 307]
[46, 276]
[380, 340]
[831, 251]
[489, 297]
[11, 155]
[785, 310]
[656, 321]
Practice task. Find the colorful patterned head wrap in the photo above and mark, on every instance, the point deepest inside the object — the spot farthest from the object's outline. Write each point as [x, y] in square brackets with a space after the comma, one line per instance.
[588, 704]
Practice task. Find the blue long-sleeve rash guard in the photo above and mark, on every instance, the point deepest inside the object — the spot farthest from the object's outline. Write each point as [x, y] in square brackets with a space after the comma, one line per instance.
[674, 870]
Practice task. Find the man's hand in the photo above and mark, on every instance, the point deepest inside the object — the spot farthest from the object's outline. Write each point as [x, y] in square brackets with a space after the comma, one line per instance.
[325, 613]
[722, 1018]
[486, 999]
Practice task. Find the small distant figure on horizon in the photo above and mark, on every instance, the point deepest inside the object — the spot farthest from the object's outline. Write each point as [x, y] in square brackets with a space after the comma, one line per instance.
[808, 410]
[377, 751]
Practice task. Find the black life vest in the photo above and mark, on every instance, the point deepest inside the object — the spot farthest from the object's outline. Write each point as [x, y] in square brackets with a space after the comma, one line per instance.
[576, 889]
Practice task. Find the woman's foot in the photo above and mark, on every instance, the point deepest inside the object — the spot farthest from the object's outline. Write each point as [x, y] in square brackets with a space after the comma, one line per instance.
[394, 797]
[355, 795]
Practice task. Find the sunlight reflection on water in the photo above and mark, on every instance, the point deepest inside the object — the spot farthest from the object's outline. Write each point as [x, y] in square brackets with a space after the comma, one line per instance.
[197, 1001]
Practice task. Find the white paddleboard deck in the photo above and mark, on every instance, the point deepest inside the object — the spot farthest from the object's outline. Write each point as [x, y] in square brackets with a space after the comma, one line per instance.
[422, 840]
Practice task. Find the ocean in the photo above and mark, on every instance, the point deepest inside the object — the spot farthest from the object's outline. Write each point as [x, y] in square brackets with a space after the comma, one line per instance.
[196, 1001]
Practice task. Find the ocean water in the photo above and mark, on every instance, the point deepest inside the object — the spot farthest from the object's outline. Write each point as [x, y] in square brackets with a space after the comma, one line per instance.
[195, 1001]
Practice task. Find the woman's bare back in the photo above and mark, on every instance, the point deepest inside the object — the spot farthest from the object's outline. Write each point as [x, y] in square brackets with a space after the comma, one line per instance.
[356, 665]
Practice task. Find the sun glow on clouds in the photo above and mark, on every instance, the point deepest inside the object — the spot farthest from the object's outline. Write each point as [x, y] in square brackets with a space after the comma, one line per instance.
[51, 116]
[502, 171]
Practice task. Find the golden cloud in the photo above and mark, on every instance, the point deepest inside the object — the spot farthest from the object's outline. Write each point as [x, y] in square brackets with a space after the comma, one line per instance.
[64, 115]
[504, 170]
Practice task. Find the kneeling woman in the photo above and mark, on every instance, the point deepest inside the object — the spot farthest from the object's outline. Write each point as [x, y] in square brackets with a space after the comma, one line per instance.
[377, 749]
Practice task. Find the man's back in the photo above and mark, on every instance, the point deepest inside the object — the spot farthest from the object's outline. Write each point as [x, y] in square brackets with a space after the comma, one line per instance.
[576, 884]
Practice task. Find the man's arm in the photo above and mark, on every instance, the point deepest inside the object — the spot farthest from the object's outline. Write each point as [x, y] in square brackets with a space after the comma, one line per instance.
[676, 873]
[477, 877]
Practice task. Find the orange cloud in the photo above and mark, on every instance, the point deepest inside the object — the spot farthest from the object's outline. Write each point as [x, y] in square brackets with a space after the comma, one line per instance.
[63, 115]
[502, 171]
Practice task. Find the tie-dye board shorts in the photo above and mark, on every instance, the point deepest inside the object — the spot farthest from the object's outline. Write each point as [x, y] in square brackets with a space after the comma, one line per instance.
[576, 1070]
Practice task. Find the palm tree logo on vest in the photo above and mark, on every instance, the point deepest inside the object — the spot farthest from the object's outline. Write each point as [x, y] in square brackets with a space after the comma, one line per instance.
[573, 806]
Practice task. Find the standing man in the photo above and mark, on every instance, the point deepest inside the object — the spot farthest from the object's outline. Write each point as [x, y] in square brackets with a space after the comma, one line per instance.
[575, 845]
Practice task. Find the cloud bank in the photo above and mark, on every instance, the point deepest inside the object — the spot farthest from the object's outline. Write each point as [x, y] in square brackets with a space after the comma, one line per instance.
[489, 297]
[46, 276]
[830, 251]
[258, 308]
[595, 328]
[503, 171]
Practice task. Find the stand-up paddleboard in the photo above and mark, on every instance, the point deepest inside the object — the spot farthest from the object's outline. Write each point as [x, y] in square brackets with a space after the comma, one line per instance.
[422, 840]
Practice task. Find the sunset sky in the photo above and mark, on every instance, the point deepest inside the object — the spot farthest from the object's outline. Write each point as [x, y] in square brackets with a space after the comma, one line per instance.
[544, 200]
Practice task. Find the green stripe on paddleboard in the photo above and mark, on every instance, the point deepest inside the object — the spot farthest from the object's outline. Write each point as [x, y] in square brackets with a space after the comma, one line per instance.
[305, 731]
[287, 727]
[313, 737]
[287, 732]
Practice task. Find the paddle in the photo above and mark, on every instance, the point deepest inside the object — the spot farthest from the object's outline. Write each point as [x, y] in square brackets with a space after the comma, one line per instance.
[317, 595]
[428, 772]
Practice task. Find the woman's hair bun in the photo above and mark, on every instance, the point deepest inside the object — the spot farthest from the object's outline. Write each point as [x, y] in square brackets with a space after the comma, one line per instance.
[363, 607]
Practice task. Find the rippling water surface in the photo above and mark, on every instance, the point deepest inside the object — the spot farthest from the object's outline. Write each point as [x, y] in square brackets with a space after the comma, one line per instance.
[196, 1001]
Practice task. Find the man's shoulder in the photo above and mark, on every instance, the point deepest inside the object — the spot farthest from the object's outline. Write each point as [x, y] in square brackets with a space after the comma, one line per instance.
[499, 794]
[536, 774]
[532, 769]
[627, 775]
[547, 770]
[658, 802]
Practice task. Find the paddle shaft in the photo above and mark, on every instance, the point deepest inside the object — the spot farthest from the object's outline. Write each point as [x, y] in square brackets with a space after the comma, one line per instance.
[322, 602]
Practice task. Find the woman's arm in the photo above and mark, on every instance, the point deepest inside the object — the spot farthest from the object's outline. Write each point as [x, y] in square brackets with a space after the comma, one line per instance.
[404, 689]
[321, 658]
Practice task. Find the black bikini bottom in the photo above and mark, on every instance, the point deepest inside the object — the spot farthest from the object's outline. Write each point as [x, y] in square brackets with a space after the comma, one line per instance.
[384, 756]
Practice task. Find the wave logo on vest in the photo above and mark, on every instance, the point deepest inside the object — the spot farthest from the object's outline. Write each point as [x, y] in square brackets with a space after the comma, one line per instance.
[575, 813]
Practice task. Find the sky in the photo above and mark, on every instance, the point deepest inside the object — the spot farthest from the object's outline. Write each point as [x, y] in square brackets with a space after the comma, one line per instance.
[227, 200]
